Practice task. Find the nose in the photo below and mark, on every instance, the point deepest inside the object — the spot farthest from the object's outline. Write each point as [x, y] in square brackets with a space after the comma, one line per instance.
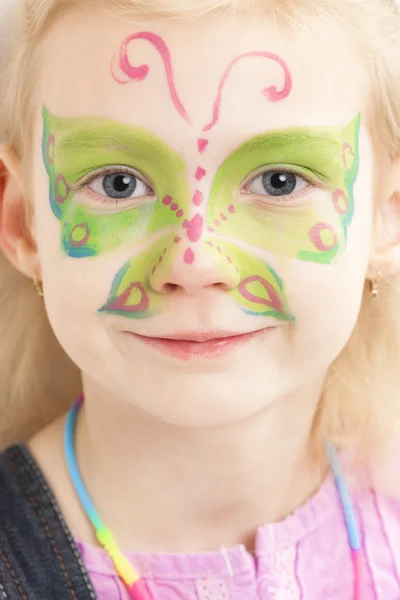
[193, 268]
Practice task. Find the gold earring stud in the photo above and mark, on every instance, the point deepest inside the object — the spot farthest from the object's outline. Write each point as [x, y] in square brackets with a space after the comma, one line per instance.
[375, 285]
[38, 285]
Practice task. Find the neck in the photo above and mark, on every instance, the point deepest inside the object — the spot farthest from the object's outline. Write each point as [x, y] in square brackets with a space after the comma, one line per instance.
[165, 488]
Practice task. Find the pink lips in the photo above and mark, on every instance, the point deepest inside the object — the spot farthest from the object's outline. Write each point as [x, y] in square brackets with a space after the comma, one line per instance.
[202, 345]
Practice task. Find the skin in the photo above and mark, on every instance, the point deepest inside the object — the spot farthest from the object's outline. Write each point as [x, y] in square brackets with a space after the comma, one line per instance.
[311, 230]
[237, 427]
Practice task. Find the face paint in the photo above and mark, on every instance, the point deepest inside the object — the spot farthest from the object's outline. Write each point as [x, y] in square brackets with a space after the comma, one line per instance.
[130, 73]
[237, 230]
[73, 148]
[123, 72]
[271, 92]
[315, 227]
[259, 290]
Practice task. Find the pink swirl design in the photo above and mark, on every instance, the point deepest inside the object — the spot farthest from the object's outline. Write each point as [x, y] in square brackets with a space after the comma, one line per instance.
[315, 237]
[59, 195]
[346, 151]
[272, 301]
[339, 195]
[139, 73]
[272, 93]
[120, 303]
[82, 229]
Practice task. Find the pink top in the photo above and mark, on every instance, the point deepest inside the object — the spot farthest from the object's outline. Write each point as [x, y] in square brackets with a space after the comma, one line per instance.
[306, 556]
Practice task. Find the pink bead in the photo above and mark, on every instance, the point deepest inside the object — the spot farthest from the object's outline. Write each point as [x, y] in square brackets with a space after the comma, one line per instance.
[359, 575]
[140, 591]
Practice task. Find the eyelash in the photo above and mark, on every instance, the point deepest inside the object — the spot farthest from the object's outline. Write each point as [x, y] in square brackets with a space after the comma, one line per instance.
[115, 169]
[110, 170]
[289, 198]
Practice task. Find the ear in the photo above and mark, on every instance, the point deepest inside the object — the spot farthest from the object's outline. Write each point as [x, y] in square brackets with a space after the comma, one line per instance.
[385, 256]
[16, 239]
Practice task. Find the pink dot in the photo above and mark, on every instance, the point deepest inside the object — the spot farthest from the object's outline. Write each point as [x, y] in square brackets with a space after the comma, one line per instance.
[186, 223]
[167, 200]
[197, 198]
[219, 249]
[217, 223]
[229, 259]
[189, 256]
[179, 213]
[174, 206]
[223, 217]
[177, 239]
[210, 229]
[195, 228]
[237, 269]
[202, 145]
[231, 208]
[200, 173]
[210, 244]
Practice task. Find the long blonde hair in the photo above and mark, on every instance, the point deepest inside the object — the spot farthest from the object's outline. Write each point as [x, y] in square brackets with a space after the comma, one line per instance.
[362, 389]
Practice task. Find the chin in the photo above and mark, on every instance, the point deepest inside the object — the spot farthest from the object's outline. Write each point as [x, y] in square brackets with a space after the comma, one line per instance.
[213, 401]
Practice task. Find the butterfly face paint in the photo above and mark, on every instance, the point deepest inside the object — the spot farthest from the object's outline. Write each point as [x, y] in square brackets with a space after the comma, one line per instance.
[243, 227]
[309, 227]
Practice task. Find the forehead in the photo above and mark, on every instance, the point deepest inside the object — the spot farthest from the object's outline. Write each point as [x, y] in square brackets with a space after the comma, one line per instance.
[191, 73]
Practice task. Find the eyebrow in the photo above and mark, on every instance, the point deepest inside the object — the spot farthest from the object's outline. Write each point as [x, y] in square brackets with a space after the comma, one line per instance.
[81, 141]
[93, 138]
[316, 149]
[296, 138]
[82, 133]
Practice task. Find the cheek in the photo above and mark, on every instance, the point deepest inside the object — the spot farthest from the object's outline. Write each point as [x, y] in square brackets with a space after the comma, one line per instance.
[78, 288]
[74, 288]
[326, 299]
[74, 291]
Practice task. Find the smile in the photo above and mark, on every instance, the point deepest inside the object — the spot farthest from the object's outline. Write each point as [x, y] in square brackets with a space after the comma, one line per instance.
[206, 345]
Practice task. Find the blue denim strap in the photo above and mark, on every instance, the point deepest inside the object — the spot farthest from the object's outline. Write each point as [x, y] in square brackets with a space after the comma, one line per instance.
[39, 559]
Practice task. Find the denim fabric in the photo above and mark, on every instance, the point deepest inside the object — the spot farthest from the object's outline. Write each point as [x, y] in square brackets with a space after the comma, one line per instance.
[38, 556]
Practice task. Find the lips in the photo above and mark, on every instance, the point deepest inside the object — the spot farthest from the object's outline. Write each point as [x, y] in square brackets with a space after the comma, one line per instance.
[202, 336]
[207, 345]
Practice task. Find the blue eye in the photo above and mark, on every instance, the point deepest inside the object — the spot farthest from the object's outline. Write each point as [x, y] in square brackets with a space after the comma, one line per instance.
[276, 183]
[119, 185]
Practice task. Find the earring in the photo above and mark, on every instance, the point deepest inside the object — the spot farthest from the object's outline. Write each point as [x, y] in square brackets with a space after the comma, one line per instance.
[38, 285]
[374, 283]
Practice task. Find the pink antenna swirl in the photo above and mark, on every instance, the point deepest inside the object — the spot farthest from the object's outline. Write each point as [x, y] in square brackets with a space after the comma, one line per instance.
[139, 73]
[272, 93]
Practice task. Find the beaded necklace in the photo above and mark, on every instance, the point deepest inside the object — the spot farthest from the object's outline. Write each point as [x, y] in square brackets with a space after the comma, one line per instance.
[137, 586]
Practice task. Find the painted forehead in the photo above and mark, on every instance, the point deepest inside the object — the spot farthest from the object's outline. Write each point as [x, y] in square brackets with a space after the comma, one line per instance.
[78, 139]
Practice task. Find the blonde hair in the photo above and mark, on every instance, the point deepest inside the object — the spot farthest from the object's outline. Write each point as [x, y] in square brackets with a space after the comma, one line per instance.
[38, 381]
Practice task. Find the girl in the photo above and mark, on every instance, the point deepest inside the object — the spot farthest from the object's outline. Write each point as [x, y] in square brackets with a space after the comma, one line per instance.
[206, 196]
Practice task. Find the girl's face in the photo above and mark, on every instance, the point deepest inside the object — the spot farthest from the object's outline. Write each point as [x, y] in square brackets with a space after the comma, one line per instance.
[195, 183]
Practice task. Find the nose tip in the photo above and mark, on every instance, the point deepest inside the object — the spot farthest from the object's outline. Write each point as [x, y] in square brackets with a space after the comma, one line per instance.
[194, 268]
